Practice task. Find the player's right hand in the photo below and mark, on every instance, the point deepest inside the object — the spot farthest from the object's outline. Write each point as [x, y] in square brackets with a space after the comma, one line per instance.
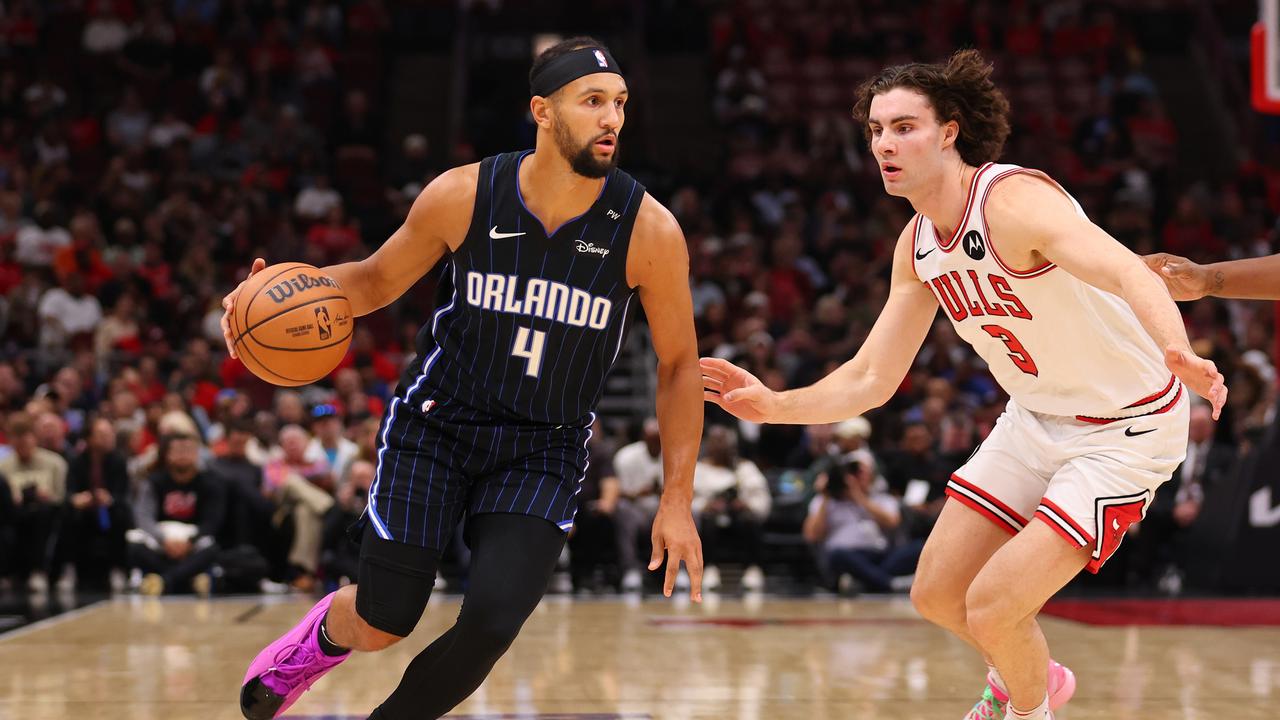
[739, 392]
[1185, 279]
[1199, 374]
[228, 306]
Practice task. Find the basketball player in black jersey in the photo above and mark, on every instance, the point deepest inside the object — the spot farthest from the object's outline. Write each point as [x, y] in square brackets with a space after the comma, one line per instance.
[543, 253]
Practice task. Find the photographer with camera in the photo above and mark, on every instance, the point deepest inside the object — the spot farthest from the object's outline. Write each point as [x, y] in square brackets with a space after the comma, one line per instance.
[851, 523]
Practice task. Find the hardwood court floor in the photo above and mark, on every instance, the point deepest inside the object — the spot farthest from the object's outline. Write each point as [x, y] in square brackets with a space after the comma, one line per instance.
[764, 659]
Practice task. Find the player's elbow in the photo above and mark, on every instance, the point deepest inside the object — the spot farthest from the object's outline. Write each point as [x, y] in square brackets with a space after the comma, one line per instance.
[682, 366]
[879, 391]
[372, 289]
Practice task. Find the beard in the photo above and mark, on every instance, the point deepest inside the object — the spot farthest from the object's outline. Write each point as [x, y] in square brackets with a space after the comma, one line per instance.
[582, 159]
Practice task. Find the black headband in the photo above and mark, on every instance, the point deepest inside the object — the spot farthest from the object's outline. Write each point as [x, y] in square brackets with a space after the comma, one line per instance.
[569, 67]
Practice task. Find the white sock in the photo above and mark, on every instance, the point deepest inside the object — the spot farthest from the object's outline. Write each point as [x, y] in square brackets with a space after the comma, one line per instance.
[993, 676]
[1041, 711]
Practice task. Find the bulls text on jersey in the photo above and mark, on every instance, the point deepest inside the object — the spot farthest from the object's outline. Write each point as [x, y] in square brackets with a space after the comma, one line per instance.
[969, 294]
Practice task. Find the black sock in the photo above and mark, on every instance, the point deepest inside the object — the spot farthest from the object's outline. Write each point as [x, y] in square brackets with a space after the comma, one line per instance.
[327, 646]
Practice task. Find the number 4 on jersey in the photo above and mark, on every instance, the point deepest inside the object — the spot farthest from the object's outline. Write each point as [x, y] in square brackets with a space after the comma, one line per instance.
[1017, 353]
[529, 346]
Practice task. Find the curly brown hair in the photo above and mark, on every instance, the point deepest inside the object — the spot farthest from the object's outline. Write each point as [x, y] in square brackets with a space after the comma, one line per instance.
[959, 89]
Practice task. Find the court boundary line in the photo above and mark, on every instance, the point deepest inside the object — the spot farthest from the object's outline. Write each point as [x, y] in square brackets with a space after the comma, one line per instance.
[58, 619]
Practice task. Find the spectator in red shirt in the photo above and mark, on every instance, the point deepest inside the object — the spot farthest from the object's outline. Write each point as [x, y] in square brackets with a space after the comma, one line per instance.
[82, 256]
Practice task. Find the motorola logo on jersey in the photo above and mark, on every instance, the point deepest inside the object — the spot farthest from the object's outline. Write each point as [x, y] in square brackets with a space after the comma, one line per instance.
[591, 249]
[540, 298]
[974, 247]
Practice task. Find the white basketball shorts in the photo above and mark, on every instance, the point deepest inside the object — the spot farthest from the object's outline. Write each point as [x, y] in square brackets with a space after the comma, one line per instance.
[1088, 478]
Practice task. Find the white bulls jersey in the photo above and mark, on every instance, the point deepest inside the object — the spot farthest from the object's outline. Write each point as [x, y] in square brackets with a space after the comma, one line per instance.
[1056, 344]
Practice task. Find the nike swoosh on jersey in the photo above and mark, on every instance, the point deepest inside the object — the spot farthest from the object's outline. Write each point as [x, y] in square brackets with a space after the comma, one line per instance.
[493, 233]
[921, 256]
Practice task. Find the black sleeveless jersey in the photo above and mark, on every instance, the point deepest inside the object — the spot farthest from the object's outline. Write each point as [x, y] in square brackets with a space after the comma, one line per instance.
[527, 325]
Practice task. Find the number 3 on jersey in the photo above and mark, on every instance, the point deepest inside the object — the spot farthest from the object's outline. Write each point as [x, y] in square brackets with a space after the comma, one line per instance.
[529, 346]
[1017, 353]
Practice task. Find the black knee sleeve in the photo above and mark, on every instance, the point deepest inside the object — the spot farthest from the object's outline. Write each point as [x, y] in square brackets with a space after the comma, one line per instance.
[512, 559]
[394, 583]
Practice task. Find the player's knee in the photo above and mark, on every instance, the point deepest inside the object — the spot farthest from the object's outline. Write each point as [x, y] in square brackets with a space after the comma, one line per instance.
[381, 630]
[372, 639]
[937, 602]
[494, 632]
[492, 627]
[384, 621]
[984, 611]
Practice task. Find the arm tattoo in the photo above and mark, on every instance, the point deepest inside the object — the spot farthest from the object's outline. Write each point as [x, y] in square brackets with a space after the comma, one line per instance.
[1219, 279]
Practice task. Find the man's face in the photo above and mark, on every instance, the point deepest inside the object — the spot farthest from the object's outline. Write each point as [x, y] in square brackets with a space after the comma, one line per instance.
[183, 455]
[329, 428]
[289, 408]
[586, 117]
[294, 443]
[721, 445]
[907, 141]
[25, 445]
[103, 436]
[51, 433]
[67, 383]
[237, 443]
[917, 440]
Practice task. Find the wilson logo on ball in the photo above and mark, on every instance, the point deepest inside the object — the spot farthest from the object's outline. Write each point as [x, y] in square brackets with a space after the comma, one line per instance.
[285, 289]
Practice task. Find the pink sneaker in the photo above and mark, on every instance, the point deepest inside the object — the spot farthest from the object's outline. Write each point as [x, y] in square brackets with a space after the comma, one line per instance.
[1062, 685]
[991, 706]
[287, 668]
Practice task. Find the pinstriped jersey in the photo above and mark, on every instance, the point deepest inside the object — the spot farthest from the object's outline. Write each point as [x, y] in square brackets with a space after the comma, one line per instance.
[1056, 344]
[528, 323]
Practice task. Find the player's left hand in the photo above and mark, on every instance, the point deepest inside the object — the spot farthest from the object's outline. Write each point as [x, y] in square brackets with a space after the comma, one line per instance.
[1200, 375]
[675, 533]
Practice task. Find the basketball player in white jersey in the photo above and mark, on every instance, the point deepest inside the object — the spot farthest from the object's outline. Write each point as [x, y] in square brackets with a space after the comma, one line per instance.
[1084, 339]
[1256, 278]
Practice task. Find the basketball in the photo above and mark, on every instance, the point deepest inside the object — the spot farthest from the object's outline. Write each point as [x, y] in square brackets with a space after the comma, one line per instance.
[291, 324]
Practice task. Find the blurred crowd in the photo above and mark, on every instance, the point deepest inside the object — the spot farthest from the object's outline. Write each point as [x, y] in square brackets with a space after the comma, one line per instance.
[150, 149]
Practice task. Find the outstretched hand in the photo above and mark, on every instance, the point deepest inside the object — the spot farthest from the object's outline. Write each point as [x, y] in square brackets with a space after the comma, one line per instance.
[740, 393]
[228, 306]
[675, 534]
[1200, 375]
[1185, 279]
